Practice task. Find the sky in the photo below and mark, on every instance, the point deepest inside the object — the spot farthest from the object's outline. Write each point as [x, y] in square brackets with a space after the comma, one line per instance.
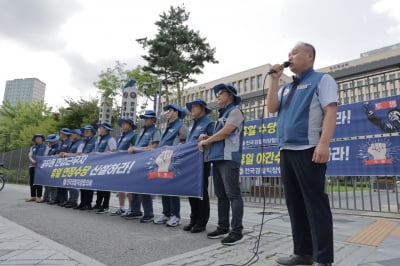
[67, 44]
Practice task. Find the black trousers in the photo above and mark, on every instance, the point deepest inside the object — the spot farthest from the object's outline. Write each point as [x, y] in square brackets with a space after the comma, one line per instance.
[308, 204]
[200, 208]
[86, 197]
[103, 199]
[36, 190]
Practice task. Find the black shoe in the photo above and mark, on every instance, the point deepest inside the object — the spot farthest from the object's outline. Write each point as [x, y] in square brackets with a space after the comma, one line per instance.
[295, 260]
[71, 205]
[188, 227]
[77, 207]
[131, 216]
[219, 233]
[322, 264]
[198, 229]
[84, 208]
[232, 239]
[147, 219]
[101, 211]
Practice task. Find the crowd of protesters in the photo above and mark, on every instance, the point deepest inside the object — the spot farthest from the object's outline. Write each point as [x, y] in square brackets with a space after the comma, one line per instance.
[219, 141]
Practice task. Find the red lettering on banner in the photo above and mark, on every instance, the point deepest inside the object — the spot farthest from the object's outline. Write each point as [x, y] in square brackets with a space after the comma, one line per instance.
[168, 175]
[386, 105]
[381, 161]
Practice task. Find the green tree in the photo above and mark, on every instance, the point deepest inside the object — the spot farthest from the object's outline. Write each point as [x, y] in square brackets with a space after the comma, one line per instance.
[78, 113]
[18, 123]
[176, 48]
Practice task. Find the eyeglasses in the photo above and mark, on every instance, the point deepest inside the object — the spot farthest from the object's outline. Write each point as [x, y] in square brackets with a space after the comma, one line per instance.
[220, 93]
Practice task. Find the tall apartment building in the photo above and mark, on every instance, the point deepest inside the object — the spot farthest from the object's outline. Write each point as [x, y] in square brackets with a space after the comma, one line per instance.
[24, 90]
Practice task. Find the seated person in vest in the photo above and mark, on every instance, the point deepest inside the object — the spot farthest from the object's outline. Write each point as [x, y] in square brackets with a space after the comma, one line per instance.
[148, 139]
[174, 134]
[39, 149]
[200, 208]
[106, 143]
[124, 141]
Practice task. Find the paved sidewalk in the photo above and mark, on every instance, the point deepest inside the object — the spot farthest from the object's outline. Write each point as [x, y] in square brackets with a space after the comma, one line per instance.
[21, 246]
[374, 241]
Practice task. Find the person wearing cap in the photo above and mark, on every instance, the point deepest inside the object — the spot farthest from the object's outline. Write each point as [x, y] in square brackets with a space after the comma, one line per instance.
[75, 149]
[89, 142]
[65, 145]
[174, 134]
[225, 153]
[106, 143]
[38, 149]
[200, 208]
[148, 139]
[51, 192]
[124, 141]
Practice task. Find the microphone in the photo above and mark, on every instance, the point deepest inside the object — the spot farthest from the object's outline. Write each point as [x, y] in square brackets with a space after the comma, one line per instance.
[284, 64]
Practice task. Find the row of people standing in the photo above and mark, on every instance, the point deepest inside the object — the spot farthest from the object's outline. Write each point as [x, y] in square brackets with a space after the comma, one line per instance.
[221, 142]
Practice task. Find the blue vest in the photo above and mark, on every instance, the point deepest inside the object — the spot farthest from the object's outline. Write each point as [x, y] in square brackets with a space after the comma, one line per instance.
[89, 145]
[102, 144]
[301, 122]
[54, 149]
[65, 146]
[171, 133]
[125, 140]
[145, 136]
[229, 148]
[75, 145]
[198, 127]
[38, 150]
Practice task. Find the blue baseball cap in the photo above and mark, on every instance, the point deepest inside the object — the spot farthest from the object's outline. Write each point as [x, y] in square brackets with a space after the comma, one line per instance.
[106, 125]
[181, 111]
[53, 138]
[230, 89]
[38, 135]
[128, 120]
[77, 131]
[148, 114]
[91, 128]
[198, 101]
[66, 131]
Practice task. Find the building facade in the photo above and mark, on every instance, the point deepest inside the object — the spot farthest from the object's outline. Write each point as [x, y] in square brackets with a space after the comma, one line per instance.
[376, 74]
[24, 90]
[252, 86]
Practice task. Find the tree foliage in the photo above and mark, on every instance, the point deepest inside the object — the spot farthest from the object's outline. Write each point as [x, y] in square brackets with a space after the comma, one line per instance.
[176, 48]
[18, 123]
[78, 113]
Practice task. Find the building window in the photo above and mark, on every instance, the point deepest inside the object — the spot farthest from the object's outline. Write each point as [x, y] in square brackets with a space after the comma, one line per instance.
[252, 83]
[246, 85]
[259, 82]
[239, 86]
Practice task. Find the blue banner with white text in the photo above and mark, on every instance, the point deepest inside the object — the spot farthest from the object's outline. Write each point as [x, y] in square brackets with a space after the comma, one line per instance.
[162, 171]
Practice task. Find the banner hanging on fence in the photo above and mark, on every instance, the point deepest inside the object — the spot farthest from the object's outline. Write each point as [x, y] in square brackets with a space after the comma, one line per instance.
[357, 157]
[373, 117]
[175, 171]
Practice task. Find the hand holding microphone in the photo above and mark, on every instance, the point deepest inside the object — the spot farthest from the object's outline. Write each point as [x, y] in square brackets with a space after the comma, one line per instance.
[278, 68]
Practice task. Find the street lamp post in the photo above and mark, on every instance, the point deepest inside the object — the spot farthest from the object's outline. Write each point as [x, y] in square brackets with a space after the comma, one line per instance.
[157, 97]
